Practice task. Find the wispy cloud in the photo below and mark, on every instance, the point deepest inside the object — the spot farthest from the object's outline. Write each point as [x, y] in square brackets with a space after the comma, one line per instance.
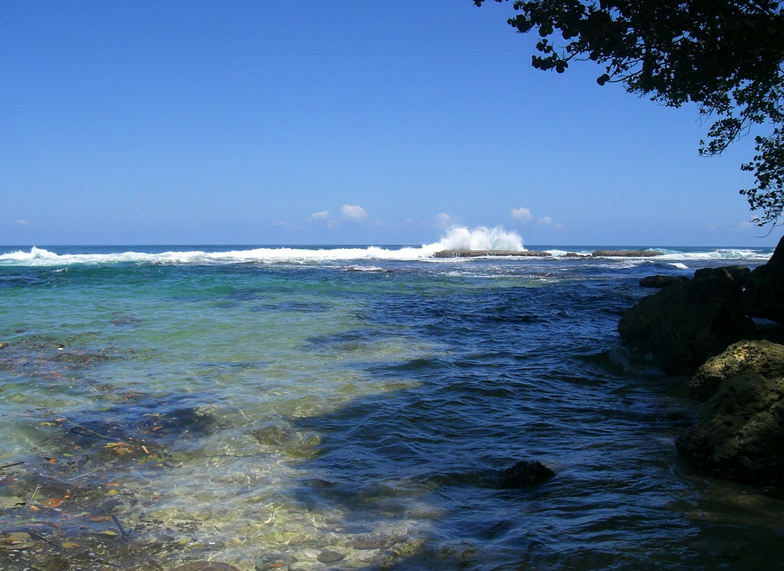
[21, 222]
[323, 215]
[354, 212]
[442, 221]
[522, 214]
[547, 221]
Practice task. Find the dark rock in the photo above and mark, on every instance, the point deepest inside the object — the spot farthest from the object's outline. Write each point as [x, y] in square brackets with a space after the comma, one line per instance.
[625, 253]
[764, 295]
[524, 474]
[484, 253]
[739, 433]
[761, 357]
[738, 273]
[686, 323]
[329, 556]
[662, 281]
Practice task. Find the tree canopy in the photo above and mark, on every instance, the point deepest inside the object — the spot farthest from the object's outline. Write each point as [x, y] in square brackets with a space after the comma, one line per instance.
[725, 55]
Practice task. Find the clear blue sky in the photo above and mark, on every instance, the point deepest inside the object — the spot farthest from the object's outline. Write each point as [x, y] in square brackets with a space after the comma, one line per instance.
[351, 122]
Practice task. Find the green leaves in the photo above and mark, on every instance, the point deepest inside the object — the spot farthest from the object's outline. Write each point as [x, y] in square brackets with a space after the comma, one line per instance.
[725, 55]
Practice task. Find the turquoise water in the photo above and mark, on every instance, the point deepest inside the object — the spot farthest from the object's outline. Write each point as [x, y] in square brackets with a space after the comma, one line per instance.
[353, 408]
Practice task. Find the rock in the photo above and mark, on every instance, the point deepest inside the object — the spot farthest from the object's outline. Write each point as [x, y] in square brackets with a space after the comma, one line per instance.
[524, 474]
[625, 253]
[682, 325]
[662, 281]
[761, 357]
[738, 273]
[764, 295]
[329, 556]
[206, 566]
[483, 253]
[739, 433]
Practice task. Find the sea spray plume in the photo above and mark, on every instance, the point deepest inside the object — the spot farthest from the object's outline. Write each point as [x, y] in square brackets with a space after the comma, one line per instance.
[481, 238]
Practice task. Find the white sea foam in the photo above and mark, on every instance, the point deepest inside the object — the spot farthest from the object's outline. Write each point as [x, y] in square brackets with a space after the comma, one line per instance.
[457, 238]
[481, 238]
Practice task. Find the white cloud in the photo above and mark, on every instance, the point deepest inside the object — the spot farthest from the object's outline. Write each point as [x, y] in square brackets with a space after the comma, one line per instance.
[522, 214]
[323, 215]
[21, 222]
[547, 221]
[353, 211]
[443, 221]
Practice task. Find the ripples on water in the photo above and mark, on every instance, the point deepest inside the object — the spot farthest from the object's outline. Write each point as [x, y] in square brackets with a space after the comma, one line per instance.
[274, 415]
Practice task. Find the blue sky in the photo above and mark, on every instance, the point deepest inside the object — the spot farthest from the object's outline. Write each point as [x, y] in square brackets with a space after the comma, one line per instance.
[349, 122]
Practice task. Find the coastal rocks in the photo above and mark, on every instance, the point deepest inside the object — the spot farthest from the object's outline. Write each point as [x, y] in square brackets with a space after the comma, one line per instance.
[683, 324]
[739, 433]
[484, 253]
[764, 295]
[738, 273]
[659, 282]
[524, 474]
[625, 253]
[760, 357]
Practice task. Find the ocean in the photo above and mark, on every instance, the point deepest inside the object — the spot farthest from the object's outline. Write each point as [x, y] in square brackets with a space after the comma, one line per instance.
[350, 408]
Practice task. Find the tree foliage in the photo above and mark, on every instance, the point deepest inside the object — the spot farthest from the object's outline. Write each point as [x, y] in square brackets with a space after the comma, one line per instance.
[725, 55]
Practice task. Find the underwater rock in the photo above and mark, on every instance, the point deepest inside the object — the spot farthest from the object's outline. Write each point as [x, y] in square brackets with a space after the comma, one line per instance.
[761, 357]
[206, 566]
[661, 281]
[764, 295]
[739, 433]
[524, 474]
[329, 556]
[682, 325]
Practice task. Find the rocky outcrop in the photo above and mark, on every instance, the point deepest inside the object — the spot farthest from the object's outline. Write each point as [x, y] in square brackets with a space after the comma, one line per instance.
[738, 273]
[625, 253]
[682, 325]
[739, 433]
[761, 357]
[662, 281]
[764, 295]
[484, 253]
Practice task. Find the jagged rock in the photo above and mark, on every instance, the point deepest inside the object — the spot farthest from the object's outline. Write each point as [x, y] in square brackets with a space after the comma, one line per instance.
[524, 474]
[761, 357]
[684, 324]
[485, 253]
[739, 433]
[738, 273]
[764, 295]
[662, 281]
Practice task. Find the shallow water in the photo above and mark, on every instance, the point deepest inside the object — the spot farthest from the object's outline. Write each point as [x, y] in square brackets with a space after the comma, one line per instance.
[354, 410]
